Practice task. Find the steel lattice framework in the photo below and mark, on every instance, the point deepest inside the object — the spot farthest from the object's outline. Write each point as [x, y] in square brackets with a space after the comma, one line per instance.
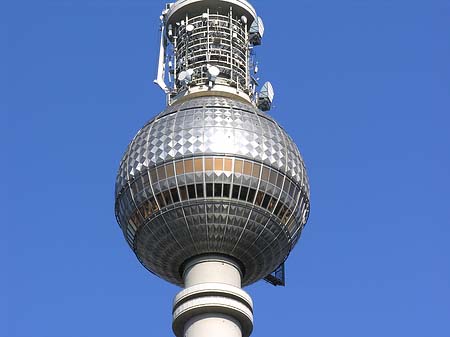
[226, 49]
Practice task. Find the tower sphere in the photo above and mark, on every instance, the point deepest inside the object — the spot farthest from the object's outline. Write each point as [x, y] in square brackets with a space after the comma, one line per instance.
[212, 175]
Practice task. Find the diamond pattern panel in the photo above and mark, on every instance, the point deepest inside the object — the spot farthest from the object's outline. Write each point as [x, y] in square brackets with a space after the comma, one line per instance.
[200, 127]
[212, 125]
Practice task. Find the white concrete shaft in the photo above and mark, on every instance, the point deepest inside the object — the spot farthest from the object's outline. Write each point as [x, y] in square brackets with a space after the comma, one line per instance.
[212, 325]
[212, 303]
[212, 270]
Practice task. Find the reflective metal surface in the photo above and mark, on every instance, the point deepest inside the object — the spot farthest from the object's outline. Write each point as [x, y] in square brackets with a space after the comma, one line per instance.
[212, 175]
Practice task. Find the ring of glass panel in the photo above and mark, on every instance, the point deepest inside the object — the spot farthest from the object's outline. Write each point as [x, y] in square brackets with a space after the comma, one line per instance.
[133, 210]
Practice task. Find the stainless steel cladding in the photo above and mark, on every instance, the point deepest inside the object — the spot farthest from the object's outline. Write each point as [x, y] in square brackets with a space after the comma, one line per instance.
[212, 175]
[212, 194]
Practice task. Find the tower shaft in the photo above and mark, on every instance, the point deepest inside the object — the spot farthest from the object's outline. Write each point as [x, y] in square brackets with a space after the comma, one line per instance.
[212, 303]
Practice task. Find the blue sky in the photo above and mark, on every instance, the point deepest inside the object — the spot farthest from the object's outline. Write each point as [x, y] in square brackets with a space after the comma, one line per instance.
[362, 86]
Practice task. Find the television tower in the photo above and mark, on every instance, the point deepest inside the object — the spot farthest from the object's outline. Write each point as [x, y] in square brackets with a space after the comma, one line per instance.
[212, 194]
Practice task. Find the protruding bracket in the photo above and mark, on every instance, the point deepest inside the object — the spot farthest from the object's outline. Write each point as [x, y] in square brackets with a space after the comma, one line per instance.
[265, 97]
[161, 74]
[256, 31]
[277, 277]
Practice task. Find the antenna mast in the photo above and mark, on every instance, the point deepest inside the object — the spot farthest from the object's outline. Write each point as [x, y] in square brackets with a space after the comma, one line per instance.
[206, 46]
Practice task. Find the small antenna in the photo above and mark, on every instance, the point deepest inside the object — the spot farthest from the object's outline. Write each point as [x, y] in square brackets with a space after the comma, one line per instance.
[190, 28]
[256, 31]
[213, 72]
[185, 77]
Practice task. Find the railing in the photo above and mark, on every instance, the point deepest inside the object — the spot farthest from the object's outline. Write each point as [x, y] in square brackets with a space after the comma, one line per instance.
[211, 40]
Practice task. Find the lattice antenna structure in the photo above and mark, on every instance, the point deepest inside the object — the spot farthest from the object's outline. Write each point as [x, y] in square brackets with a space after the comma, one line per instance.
[199, 38]
[212, 193]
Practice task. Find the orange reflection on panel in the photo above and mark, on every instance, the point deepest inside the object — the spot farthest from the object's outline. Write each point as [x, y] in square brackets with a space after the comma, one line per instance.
[247, 168]
[218, 164]
[238, 166]
[188, 166]
[228, 166]
[179, 167]
[208, 164]
[198, 163]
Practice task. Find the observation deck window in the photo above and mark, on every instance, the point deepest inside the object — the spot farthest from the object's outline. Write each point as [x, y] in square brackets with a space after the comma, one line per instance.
[243, 193]
[161, 173]
[270, 199]
[238, 166]
[170, 170]
[191, 191]
[256, 170]
[247, 168]
[179, 167]
[235, 193]
[183, 193]
[174, 194]
[188, 166]
[218, 190]
[226, 190]
[199, 188]
[228, 165]
[218, 164]
[208, 164]
[198, 164]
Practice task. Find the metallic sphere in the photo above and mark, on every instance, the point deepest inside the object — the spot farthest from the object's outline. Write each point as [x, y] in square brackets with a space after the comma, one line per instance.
[212, 175]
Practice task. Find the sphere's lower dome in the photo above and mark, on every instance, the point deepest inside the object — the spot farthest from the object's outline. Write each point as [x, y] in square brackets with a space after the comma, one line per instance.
[212, 175]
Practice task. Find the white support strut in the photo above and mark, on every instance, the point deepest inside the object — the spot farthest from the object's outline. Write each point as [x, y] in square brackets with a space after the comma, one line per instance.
[161, 74]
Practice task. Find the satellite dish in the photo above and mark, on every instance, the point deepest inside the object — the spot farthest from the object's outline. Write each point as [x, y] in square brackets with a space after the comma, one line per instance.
[244, 19]
[190, 28]
[182, 76]
[186, 76]
[213, 72]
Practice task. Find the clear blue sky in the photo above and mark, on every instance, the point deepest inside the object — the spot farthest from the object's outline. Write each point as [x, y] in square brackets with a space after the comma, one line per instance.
[362, 86]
